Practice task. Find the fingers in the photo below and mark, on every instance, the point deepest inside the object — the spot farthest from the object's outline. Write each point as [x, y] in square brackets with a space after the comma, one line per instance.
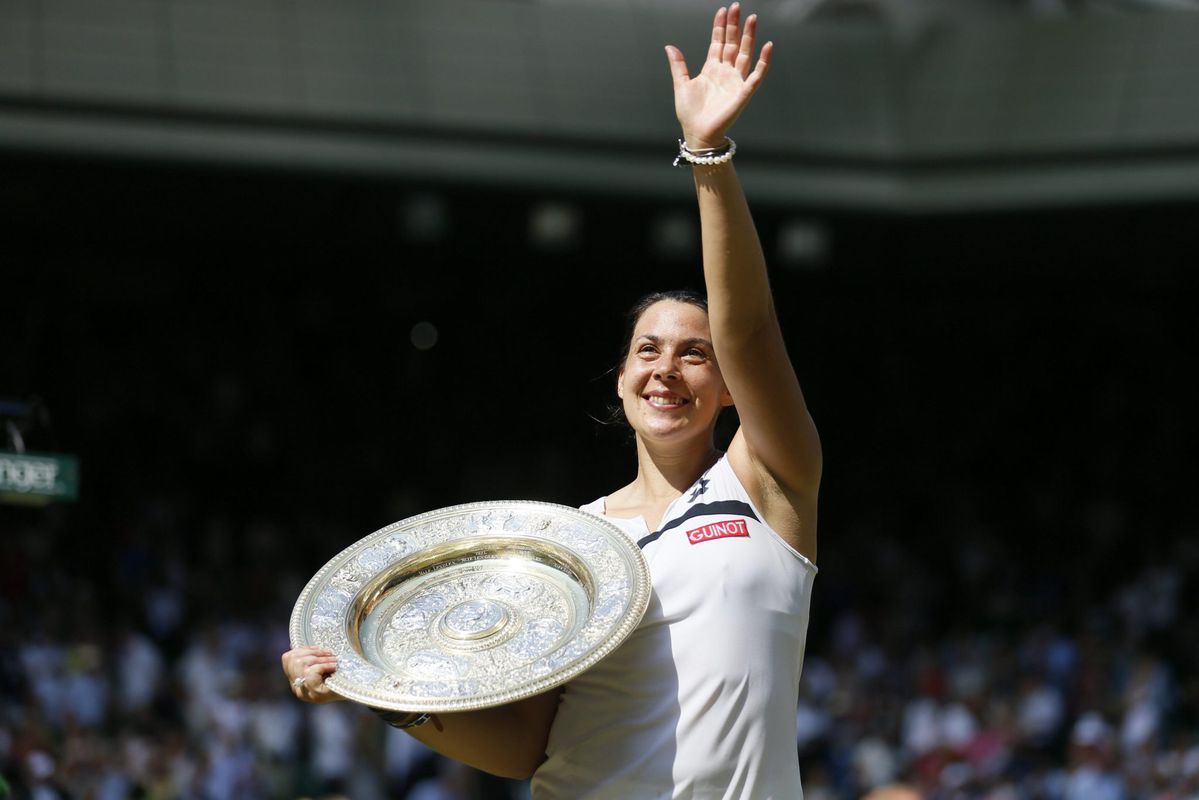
[300, 654]
[678, 66]
[762, 67]
[312, 665]
[314, 676]
[745, 54]
[319, 665]
[732, 34]
[732, 43]
[716, 47]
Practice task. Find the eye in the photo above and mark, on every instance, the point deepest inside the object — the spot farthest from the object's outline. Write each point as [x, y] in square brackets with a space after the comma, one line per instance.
[647, 348]
[695, 354]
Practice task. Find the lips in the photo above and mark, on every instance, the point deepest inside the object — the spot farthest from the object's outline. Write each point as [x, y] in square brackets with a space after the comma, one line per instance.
[665, 400]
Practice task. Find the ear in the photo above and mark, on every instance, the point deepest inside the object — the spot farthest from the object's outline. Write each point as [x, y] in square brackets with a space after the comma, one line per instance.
[620, 383]
[726, 398]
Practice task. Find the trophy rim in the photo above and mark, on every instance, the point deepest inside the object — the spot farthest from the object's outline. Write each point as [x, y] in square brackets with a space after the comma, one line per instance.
[497, 694]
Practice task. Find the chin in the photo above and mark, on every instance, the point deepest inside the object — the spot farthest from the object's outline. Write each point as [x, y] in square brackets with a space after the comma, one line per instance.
[669, 433]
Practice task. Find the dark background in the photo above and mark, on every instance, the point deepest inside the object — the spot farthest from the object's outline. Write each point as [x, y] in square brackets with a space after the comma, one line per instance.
[1005, 400]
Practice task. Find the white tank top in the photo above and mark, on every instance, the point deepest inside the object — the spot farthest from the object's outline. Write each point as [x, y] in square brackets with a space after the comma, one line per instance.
[700, 701]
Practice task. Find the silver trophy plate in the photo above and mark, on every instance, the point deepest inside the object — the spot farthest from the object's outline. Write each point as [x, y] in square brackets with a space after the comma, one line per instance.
[473, 606]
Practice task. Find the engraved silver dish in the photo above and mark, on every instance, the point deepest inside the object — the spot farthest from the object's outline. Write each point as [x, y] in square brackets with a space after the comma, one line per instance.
[473, 606]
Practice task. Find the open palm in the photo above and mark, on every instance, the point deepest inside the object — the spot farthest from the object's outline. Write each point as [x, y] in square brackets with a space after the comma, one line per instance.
[708, 104]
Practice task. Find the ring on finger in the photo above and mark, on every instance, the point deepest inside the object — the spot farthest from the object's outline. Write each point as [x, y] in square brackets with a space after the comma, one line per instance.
[298, 681]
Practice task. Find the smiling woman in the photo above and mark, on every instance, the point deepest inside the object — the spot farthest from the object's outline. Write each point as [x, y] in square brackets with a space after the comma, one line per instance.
[669, 383]
[700, 700]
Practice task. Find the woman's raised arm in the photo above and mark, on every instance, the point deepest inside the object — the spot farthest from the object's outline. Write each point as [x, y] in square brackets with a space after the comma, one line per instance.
[776, 452]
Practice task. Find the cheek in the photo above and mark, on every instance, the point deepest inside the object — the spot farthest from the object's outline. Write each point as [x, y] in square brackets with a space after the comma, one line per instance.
[707, 382]
[630, 379]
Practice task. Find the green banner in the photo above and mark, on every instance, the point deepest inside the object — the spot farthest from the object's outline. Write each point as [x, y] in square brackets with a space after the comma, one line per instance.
[38, 478]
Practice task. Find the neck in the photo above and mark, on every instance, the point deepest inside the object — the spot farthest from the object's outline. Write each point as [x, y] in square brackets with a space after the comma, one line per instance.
[663, 475]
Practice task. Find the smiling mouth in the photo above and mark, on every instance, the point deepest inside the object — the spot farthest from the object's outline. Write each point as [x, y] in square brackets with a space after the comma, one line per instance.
[665, 402]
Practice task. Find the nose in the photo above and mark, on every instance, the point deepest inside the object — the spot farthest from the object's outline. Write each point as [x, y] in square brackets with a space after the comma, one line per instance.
[666, 368]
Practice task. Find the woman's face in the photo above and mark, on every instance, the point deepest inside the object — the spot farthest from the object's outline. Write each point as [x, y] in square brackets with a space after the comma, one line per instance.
[670, 384]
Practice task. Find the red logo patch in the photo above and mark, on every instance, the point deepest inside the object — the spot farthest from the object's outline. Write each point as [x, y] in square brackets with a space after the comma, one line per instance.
[718, 530]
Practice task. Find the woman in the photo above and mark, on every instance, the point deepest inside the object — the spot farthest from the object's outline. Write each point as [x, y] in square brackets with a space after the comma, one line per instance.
[700, 700]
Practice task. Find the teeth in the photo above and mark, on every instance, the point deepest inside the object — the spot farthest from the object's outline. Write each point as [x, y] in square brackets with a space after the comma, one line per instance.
[655, 400]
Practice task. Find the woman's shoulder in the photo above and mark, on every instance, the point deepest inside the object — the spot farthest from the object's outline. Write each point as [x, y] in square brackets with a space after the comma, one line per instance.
[789, 513]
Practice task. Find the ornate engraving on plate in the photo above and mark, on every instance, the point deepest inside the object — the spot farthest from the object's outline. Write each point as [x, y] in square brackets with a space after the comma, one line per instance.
[473, 606]
[473, 619]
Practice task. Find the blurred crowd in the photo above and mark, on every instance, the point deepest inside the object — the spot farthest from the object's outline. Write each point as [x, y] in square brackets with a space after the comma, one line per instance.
[1007, 561]
[1096, 712]
[105, 699]
[107, 707]
[148, 666]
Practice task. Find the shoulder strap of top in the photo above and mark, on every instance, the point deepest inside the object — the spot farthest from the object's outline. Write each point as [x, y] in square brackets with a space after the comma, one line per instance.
[594, 507]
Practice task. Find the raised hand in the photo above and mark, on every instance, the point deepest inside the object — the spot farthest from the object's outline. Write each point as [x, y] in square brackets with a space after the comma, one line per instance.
[708, 104]
[306, 669]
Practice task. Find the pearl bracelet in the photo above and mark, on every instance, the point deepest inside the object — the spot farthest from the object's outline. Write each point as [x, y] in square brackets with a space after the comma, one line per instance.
[710, 157]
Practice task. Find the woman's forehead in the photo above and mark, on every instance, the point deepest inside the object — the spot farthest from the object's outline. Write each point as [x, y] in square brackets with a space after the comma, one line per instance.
[673, 319]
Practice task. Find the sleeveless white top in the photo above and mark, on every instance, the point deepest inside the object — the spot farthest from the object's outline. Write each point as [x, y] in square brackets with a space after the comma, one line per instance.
[700, 701]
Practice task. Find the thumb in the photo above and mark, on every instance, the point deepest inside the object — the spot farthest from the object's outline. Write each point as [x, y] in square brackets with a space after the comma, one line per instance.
[678, 66]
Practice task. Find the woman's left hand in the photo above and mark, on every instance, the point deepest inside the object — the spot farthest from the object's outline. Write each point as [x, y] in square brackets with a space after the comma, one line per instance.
[306, 669]
[708, 104]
